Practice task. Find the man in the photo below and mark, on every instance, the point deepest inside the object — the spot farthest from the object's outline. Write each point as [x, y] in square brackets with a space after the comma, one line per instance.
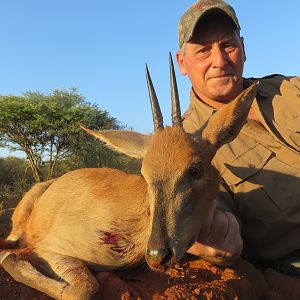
[258, 211]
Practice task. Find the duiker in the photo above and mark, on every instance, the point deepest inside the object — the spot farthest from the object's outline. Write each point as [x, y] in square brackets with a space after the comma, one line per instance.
[107, 219]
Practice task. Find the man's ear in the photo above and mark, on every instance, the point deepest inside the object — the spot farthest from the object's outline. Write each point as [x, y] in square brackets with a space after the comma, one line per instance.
[243, 48]
[181, 63]
[131, 143]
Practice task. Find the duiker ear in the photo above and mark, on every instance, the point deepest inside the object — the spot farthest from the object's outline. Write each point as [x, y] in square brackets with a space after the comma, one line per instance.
[225, 124]
[131, 143]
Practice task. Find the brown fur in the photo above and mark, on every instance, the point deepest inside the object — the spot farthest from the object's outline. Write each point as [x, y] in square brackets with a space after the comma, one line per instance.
[107, 219]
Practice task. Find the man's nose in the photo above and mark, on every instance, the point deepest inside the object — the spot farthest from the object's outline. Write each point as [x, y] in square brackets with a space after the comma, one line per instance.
[219, 57]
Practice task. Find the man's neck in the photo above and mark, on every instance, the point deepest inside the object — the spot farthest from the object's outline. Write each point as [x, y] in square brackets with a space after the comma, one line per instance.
[212, 103]
[218, 105]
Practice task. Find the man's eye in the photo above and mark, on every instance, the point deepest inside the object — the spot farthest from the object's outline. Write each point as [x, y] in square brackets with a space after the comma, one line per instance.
[229, 47]
[202, 52]
[196, 171]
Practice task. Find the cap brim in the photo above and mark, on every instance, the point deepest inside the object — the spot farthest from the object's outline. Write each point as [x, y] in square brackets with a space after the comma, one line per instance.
[206, 12]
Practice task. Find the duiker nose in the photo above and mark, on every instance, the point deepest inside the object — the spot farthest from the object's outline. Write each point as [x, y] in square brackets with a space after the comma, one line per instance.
[158, 257]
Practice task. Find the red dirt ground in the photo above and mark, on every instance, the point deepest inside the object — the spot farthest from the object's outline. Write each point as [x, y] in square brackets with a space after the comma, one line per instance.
[196, 279]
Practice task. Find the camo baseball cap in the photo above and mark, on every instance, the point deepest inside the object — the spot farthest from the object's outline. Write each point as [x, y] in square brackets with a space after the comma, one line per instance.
[190, 18]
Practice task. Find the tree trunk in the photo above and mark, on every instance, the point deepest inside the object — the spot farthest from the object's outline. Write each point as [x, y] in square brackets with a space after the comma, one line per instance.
[34, 167]
[35, 172]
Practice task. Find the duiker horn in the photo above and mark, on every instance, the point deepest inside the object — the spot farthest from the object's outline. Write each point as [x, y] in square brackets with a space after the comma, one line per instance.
[176, 113]
[156, 112]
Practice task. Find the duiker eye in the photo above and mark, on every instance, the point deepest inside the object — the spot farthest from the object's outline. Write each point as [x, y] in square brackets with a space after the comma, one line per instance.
[196, 171]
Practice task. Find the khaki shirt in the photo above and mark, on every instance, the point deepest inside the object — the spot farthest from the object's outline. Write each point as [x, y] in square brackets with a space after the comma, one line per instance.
[261, 168]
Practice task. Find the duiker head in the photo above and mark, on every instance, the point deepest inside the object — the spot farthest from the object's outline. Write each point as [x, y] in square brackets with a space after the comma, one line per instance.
[182, 183]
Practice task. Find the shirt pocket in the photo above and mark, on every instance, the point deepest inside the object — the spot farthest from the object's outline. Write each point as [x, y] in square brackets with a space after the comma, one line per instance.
[281, 183]
[259, 168]
[245, 165]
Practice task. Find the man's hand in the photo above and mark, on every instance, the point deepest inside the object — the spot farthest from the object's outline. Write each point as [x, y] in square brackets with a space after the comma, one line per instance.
[220, 242]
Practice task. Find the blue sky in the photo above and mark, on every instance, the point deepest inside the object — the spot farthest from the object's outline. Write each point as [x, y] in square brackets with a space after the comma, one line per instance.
[101, 48]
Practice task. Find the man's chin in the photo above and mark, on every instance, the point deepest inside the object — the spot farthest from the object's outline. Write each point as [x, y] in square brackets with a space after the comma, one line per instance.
[224, 97]
[224, 92]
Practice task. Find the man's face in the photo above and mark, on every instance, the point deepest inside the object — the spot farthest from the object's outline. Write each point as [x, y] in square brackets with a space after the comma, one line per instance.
[214, 60]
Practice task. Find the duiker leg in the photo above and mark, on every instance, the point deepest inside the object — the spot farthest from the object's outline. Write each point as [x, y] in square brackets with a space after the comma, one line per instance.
[74, 280]
[22, 271]
[81, 284]
[24, 209]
